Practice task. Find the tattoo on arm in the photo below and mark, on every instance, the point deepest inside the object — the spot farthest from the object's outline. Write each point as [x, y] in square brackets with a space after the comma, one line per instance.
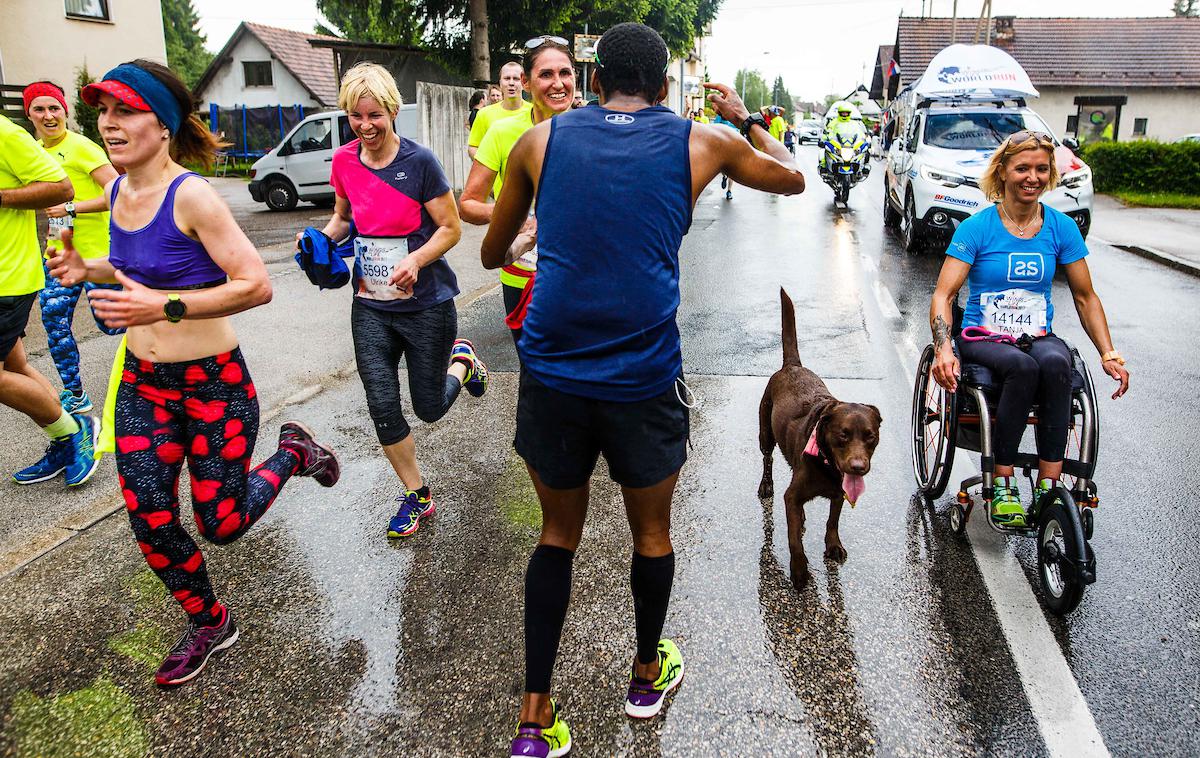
[941, 332]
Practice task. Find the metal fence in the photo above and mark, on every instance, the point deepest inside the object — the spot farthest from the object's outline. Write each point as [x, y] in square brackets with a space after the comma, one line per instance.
[252, 132]
[443, 111]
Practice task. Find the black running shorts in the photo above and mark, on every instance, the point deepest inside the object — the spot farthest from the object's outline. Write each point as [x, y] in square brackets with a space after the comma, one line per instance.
[561, 436]
[14, 316]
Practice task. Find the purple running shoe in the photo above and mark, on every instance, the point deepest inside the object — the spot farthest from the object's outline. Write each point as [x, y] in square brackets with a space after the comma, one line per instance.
[186, 660]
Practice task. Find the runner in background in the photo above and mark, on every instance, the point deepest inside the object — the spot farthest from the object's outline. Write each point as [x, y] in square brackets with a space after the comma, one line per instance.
[397, 195]
[493, 94]
[511, 104]
[89, 170]
[31, 179]
[184, 388]
[549, 77]
[474, 105]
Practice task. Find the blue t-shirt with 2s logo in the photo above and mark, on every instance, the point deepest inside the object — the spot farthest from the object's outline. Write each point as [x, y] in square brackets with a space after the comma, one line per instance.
[1003, 263]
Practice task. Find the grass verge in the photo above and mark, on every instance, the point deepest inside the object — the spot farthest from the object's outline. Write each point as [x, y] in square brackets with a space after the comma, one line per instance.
[1158, 199]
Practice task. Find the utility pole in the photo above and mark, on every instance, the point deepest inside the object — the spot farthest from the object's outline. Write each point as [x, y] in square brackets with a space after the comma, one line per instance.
[954, 22]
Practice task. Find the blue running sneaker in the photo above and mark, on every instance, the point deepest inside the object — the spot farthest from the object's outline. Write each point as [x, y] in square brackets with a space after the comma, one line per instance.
[413, 508]
[83, 461]
[53, 463]
[75, 404]
[477, 374]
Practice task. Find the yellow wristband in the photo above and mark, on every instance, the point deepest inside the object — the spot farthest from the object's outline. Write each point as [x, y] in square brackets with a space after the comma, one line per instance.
[1112, 355]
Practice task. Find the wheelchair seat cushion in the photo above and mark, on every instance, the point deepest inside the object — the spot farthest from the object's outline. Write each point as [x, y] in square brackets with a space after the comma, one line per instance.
[982, 377]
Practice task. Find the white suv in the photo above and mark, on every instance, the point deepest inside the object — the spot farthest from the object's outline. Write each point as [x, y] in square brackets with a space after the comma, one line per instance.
[938, 151]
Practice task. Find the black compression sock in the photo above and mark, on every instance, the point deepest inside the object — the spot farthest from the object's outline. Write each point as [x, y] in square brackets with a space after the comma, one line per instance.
[547, 594]
[423, 492]
[651, 580]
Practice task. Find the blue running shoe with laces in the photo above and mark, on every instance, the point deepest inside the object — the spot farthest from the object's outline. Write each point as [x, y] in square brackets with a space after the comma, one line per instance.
[83, 461]
[413, 508]
[75, 404]
[477, 373]
[53, 463]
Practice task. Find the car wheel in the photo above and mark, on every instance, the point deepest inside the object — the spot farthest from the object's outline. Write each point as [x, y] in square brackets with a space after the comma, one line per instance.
[891, 216]
[280, 195]
[910, 227]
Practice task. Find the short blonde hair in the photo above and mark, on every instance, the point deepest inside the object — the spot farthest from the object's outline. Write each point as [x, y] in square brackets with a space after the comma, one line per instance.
[992, 181]
[369, 80]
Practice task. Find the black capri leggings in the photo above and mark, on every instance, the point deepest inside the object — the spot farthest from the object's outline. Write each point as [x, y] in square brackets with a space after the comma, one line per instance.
[424, 339]
[1042, 375]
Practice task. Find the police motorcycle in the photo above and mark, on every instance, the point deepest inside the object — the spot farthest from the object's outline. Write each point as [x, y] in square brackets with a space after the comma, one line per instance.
[847, 162]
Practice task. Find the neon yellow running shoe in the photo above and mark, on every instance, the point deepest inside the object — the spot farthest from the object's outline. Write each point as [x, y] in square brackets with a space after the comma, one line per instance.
[645, 698]
[536, 741]
[1006, 502]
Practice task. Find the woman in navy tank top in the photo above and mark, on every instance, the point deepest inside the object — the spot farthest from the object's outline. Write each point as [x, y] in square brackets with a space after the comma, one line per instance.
[184, 389]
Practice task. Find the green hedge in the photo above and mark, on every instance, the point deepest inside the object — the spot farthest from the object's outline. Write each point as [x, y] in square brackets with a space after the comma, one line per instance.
[1145, 166]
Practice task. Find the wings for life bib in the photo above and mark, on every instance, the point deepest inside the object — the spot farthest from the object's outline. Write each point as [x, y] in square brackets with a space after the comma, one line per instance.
[376, 259]
[1014, 312]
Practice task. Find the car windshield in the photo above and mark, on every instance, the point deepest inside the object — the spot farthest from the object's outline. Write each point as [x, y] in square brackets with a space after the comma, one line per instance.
[976, 131]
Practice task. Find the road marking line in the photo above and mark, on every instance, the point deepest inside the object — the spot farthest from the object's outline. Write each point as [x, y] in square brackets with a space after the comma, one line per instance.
[887, 304]
[1064, 719]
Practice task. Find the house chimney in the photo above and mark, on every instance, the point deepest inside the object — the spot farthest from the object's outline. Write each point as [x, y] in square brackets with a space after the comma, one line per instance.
[1003, 30]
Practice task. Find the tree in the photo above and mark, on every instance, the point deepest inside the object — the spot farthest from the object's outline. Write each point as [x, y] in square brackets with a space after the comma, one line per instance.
[1188, 8]
[85, 115]
[752, 88]
[185, 44]
[445, 26]
[779, 94]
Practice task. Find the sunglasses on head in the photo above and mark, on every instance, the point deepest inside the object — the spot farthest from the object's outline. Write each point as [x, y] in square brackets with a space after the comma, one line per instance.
[538, 41]
[1017, 138]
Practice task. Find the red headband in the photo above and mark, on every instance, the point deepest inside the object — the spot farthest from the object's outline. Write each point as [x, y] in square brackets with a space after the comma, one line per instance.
[42, 89]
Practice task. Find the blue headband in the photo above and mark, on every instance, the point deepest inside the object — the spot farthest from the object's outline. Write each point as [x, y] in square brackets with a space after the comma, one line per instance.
[162, 103]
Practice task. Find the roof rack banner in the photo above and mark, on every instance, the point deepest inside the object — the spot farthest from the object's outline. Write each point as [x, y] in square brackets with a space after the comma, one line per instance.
[974, 72]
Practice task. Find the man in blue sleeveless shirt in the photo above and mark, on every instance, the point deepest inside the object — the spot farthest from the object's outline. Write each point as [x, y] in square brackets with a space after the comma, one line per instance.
[602, 368]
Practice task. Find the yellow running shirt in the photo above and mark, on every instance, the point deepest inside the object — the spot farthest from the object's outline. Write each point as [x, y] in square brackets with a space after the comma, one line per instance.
[490, 115]
[80, 157]
[493, 154]
[22, 162]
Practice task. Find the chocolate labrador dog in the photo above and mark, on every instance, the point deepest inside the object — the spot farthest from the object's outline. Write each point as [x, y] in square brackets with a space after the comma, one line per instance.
[827, 443]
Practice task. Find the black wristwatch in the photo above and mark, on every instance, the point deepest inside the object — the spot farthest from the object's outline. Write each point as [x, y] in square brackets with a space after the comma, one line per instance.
[751, 120]
[175, 309]
[69, 207]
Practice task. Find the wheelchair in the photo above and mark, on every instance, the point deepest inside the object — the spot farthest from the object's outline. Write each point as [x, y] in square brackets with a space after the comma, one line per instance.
[944, 421]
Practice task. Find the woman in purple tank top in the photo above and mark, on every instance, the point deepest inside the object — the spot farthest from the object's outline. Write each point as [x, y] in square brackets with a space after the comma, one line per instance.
[184, 390]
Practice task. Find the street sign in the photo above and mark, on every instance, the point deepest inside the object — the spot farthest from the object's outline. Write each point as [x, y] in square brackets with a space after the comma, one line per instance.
[585, 47]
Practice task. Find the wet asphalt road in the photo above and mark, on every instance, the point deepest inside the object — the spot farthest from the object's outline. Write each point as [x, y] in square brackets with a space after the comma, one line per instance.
[354, 646]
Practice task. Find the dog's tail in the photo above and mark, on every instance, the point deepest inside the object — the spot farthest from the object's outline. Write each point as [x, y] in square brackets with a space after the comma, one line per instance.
[791, 348]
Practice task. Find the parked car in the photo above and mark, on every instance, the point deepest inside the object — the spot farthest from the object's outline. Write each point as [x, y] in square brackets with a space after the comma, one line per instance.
[1189, 138]
[298, 167]
[943, 143]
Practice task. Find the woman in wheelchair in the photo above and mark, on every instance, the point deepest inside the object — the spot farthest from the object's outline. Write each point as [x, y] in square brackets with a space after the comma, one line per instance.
[1007, 254]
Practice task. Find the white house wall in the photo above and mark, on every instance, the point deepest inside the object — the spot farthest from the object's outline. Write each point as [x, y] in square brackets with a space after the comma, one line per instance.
[1170, 113]
[38, 41]
[228, 86]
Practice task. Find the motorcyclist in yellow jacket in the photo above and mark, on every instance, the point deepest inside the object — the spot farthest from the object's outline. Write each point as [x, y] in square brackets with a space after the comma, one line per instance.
[842, 126]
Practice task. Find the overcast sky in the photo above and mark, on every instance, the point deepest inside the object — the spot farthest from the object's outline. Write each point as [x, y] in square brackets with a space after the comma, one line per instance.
[818, 46]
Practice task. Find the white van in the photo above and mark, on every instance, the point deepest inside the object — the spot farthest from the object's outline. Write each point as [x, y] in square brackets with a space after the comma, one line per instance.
[298, 168]
[943, 134]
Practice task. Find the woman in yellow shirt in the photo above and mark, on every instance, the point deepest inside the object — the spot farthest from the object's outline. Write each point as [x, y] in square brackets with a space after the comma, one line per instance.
[89, 170]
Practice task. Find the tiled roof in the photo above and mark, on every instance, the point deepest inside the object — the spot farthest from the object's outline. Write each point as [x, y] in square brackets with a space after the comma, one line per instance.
[312, 66]
[1112, 52]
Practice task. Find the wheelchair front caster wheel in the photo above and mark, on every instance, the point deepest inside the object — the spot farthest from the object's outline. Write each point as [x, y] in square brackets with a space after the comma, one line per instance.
[958, 518]
[1061, 583]
[1088, 521]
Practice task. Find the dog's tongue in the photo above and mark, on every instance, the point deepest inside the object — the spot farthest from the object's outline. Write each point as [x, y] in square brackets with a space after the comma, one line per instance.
[853, 485]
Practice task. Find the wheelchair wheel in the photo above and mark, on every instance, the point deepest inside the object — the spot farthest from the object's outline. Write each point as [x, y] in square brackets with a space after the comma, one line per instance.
[934, 429]
[1057, 539]
[958, 518]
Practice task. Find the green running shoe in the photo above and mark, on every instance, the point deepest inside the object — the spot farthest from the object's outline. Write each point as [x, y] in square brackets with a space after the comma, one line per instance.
[1006, 502]
[645, 699]
[537, 741]
[1043, 486]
